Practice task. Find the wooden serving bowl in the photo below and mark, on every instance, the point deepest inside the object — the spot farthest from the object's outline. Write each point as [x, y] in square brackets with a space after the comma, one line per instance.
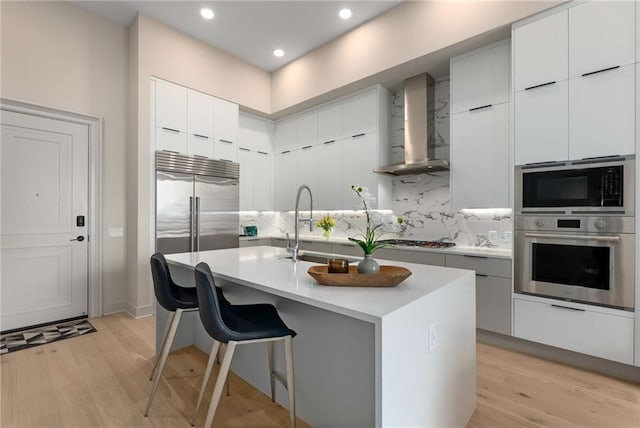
[389, 276]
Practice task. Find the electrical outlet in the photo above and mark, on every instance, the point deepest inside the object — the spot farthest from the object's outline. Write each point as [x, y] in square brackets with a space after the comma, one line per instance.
[493, 237]
[507, 237]
[432, 338]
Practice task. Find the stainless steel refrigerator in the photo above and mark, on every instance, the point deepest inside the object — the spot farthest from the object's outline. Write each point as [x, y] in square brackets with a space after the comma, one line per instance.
[197, 202]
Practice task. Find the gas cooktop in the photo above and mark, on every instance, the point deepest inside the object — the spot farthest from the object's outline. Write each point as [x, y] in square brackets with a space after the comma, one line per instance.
[421, 244]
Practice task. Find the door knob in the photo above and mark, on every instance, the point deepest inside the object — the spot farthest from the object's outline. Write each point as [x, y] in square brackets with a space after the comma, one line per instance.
[79, 238]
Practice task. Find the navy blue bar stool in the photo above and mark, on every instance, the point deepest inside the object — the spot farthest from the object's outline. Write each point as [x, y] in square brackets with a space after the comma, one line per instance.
[176, 300]
[238, 325]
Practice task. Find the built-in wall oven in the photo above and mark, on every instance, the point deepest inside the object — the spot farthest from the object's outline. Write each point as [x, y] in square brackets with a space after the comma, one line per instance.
[575, 231]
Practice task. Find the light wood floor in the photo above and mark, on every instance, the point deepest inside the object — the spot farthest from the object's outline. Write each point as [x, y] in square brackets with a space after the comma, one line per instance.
[102, 380]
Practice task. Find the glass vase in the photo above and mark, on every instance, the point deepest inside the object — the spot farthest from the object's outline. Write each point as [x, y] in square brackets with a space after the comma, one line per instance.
[326, 234]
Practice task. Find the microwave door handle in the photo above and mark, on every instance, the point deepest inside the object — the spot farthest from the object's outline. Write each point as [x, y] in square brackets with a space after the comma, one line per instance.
[614, 239]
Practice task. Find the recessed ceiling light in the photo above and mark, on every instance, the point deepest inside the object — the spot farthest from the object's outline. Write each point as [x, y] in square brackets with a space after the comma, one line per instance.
[206, 13]
[278, 52]
[345, 13]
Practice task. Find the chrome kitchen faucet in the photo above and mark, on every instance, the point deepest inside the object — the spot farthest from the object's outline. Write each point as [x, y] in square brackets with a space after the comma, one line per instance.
[298, 220]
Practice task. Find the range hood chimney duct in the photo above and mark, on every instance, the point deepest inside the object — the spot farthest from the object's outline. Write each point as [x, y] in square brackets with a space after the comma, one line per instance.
[419, 130]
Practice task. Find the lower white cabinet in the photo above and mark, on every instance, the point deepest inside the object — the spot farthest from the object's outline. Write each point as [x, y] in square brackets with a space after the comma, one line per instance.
[599, 332]
[480, 158]
[284, 181]
[493, 290]
[254, 242]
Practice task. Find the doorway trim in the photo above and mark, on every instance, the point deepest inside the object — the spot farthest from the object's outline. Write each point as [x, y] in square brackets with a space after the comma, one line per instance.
[95, 126]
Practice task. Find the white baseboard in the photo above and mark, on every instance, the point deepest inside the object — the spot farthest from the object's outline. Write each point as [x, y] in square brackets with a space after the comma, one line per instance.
[114, 307]
[140, 311]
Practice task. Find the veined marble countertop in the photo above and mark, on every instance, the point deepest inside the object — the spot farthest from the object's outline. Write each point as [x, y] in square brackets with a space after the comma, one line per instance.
[500, 253]
[263, 268]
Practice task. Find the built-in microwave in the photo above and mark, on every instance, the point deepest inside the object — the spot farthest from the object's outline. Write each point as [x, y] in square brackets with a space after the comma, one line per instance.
[582, 187]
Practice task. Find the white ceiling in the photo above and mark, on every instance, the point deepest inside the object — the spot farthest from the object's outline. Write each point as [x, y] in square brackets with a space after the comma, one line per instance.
[251, 30]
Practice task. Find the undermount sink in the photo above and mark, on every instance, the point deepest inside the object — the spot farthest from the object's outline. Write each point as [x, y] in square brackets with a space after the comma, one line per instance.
[317, 258]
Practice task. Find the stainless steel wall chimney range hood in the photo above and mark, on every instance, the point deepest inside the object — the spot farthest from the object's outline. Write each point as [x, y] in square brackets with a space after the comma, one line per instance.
[419, 130]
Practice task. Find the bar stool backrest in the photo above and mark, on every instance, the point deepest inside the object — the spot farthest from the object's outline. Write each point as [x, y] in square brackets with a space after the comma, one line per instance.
[213, 306]
[163, 285]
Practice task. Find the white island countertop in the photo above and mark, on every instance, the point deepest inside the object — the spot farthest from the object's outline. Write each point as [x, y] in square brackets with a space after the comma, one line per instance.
[263, 268]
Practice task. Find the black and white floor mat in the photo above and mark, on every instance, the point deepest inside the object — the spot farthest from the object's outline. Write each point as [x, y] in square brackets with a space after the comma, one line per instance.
[39, 336]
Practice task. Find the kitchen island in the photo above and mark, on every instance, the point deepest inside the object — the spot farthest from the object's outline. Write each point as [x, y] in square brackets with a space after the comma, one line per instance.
[383, 357]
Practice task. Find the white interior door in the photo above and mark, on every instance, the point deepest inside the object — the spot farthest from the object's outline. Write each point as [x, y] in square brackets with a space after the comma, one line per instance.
[43, 244]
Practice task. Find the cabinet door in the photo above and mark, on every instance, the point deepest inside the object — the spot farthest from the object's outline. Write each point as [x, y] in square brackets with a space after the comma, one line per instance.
[541, 51]
[226, 119]
[284, 181]
[245, 159]
[542, 124]
[171, 140]
[307, 168]
[330, 185]
[263, 136]
[171, 107]
[200, 124]
[330, 123]
[602, 114]
[286, 131]
[601, 35]
[359, 159]
[481, 78]
[480, 158]
[360, 114]
[493, 304]
[226, 150]
[262, 182]
[307, 129]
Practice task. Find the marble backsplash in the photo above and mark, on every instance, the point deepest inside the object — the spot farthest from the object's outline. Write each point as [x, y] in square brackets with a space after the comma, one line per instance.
[422, 200]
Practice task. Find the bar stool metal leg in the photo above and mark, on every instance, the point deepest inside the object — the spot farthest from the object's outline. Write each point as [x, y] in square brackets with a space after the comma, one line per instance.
[163, 357]
[222, 376]
[221, 352]
[213, 356]
[164, 341]
[288, 357]
[272, 377]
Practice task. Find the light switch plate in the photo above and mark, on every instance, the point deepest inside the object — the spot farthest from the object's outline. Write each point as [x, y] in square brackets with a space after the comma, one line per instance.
[115, 232]
[507, 237]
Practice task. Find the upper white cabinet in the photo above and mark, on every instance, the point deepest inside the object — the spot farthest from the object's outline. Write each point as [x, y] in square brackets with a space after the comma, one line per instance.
[332, 147]
[194, 123]
[601, 36]
[481, 78]
[541, 51]
[262, 181]
[255, 157]
[199, 124]
[581, 104]
[330, 123]
[245, 160]
[360, 114]
[480, 128]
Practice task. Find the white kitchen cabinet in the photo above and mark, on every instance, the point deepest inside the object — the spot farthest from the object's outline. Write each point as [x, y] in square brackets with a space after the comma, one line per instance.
[602, 114]
[358, 155]
[246, 162]
[226, 117]
[262, 181]
[226, 150]
[307, 129]
[200, 124]
[284, 180]
[307, 168]
[329, 193]
[541, 51]
[263, 136]
[541, 122]
[360, 114]
[601, 35]
[480, 77]
[590, 330]
[330, 123]
[171, 140]
[286, 134]
[171, 106]
[480, 158]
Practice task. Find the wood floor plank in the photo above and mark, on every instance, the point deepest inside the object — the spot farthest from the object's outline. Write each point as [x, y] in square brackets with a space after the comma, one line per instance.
[101, 380]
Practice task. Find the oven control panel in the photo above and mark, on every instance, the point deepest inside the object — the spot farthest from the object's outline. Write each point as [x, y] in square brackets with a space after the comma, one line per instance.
[569, 224]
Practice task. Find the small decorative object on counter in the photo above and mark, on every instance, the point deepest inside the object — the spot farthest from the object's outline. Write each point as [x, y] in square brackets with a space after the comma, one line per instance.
[371, 237]
[338, 266]
[251, 230]
[327, 223]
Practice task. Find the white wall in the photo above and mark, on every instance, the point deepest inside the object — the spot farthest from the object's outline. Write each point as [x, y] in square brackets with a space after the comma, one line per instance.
[58, 55]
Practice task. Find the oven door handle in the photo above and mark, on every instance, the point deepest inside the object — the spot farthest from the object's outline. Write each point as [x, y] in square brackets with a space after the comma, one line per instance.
[615, 239]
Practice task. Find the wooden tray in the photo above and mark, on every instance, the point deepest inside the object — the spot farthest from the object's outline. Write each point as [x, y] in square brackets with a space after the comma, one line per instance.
[389, 276]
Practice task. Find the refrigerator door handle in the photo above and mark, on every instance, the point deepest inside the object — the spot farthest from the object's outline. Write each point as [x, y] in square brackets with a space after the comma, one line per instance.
[197, 223]
[191, 229]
